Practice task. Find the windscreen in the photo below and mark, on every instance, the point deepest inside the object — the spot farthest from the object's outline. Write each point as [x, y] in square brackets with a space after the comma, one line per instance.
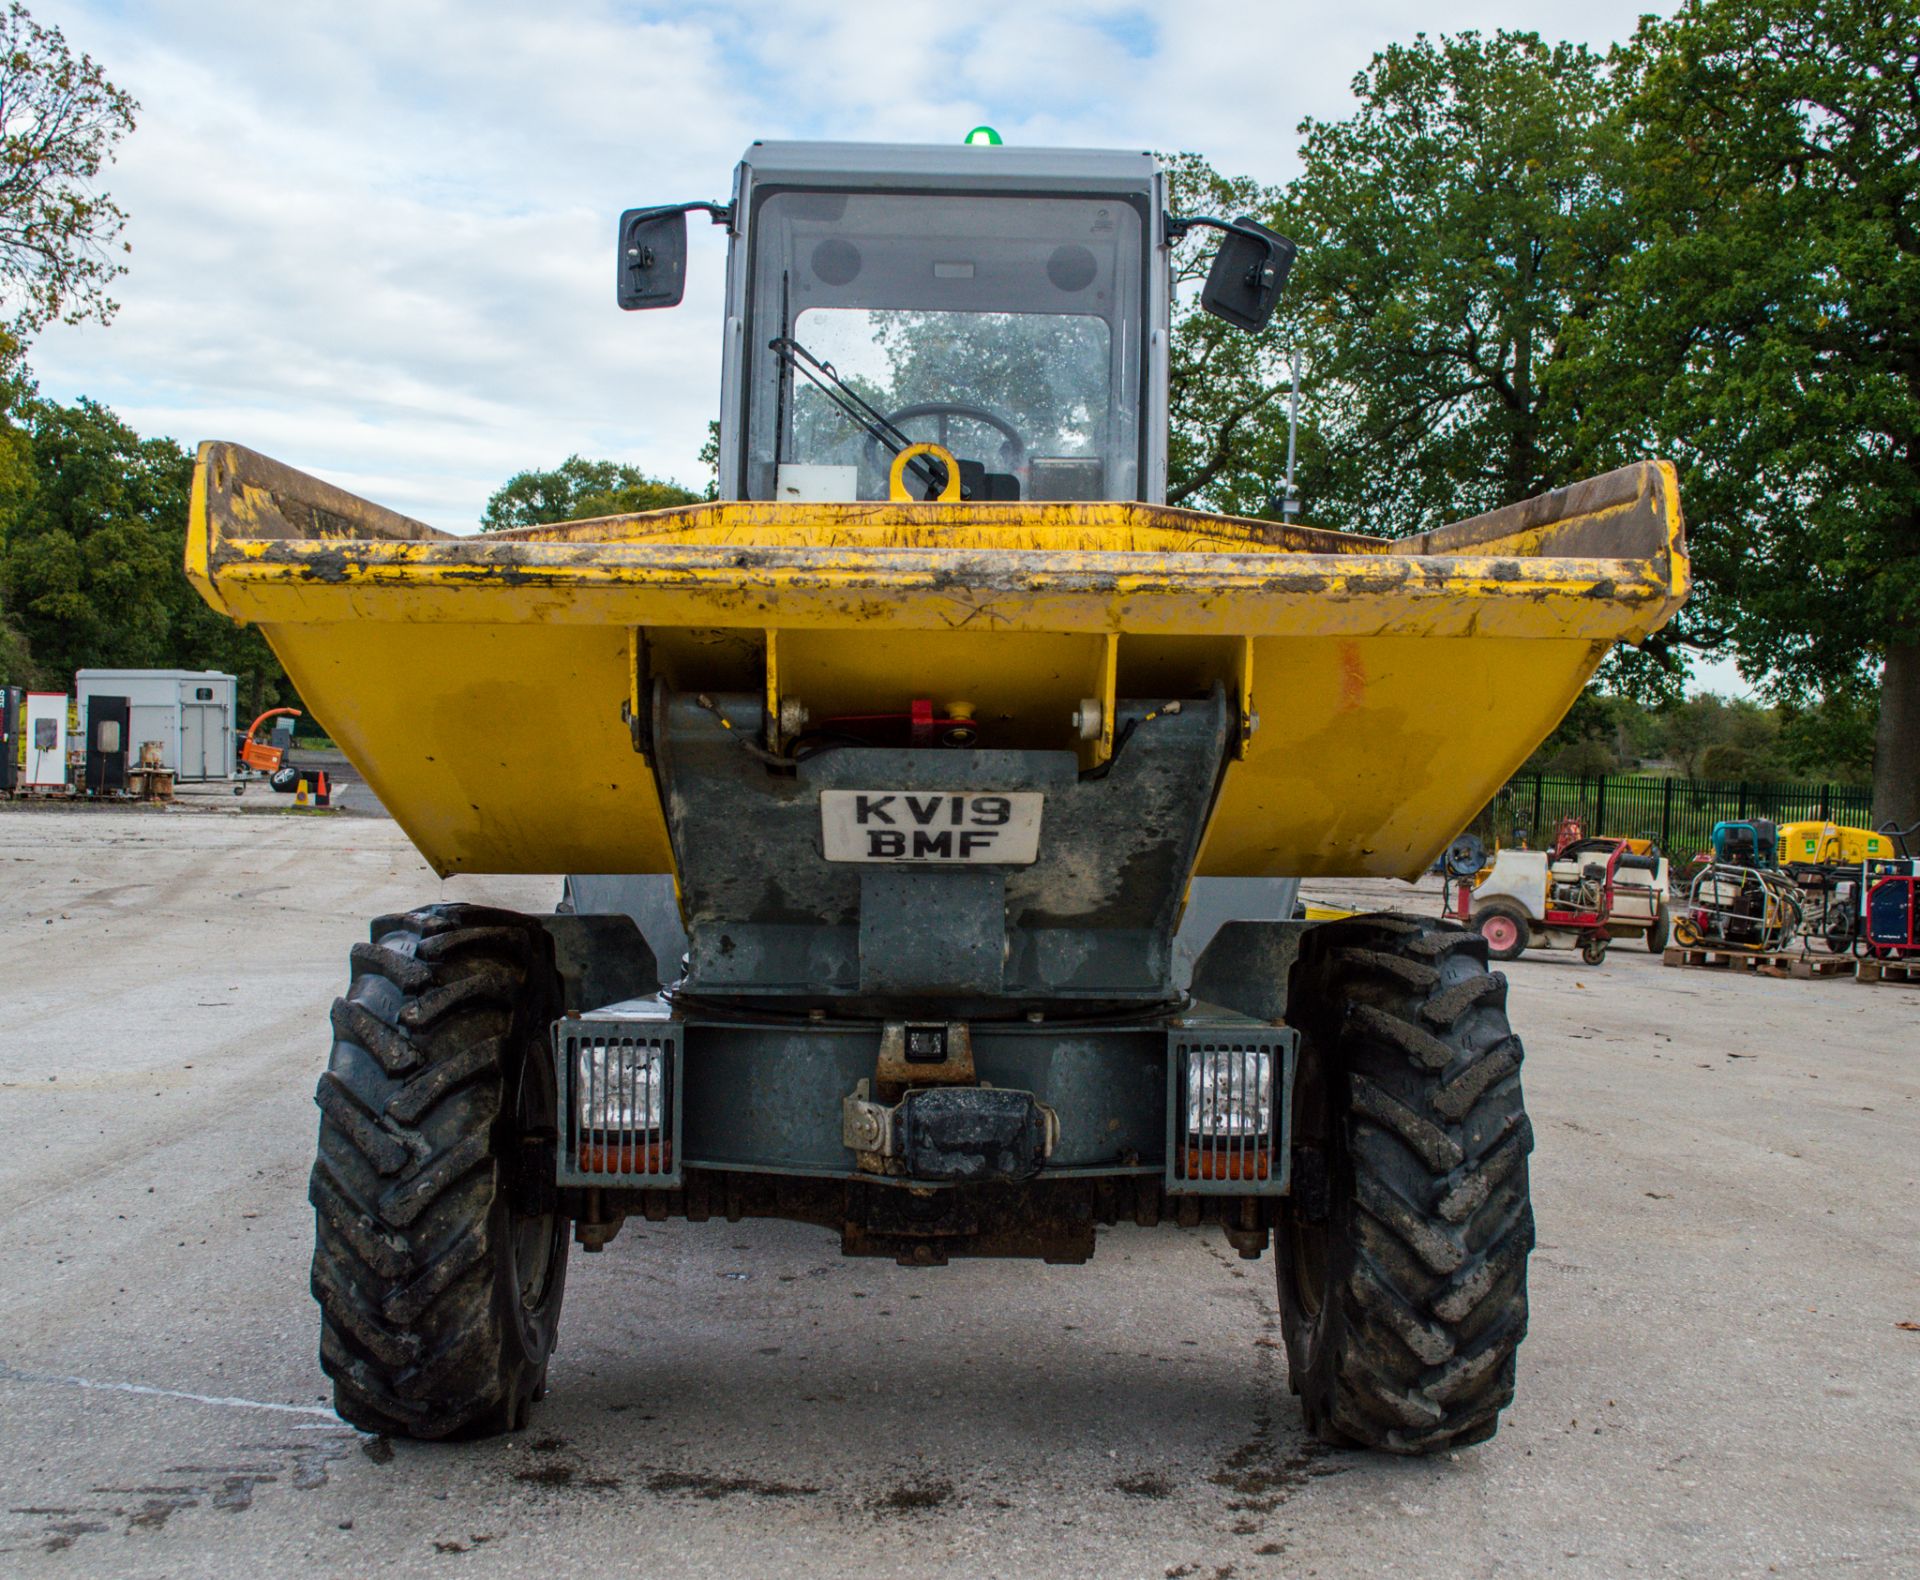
[1006, 329]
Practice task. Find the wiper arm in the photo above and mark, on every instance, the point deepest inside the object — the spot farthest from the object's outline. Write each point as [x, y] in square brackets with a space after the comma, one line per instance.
[857, 410]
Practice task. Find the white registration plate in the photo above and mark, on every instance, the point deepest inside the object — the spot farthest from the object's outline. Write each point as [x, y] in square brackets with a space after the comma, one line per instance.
[931, 826]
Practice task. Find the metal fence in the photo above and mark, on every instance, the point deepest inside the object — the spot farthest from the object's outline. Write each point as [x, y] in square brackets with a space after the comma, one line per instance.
[1678, 813]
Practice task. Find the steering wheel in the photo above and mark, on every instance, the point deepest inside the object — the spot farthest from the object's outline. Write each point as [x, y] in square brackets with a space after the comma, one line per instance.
[945, 410]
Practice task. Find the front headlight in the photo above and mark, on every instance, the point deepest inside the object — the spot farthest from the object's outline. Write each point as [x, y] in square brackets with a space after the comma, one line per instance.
[620, 1087]
[1229, 1092]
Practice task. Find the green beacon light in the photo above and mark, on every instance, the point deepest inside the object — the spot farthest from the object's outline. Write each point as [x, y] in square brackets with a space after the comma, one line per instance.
[983, 137]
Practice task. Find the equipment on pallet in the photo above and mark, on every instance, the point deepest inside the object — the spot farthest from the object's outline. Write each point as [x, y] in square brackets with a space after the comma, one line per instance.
[150, 779]
[1889, 907]
[1735, 907]
[1817, 843]
[1737, 899]
[1741, 895]
[1830, 903]
[270, 757]
[1892, 930]
[1834, 867]
[932, 714]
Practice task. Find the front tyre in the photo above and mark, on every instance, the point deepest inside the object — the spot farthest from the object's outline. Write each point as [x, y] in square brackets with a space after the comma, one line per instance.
[1403, 1252]
[440, 1255]
[1661, 929]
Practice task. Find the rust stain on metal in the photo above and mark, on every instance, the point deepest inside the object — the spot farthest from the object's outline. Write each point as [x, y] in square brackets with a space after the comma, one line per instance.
[1353, 677]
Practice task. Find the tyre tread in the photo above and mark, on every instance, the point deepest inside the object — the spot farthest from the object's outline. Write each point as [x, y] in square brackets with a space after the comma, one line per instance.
[407, 1181]
[1428, 1306]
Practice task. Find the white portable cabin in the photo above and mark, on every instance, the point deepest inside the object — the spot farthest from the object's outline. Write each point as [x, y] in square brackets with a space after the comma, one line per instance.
[190, 712]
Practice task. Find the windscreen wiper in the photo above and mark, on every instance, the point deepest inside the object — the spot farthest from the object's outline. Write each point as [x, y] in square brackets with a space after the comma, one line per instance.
[850, 404]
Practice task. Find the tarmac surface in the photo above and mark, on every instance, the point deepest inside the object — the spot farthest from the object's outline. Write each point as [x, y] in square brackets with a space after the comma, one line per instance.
[1723, 1376]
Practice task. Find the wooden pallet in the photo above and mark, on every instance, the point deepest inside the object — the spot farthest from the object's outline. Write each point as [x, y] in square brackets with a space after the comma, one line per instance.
[1792, 963]
[1906, 972]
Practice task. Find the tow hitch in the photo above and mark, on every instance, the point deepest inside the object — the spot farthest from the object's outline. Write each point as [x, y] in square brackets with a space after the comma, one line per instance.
[951, 1134]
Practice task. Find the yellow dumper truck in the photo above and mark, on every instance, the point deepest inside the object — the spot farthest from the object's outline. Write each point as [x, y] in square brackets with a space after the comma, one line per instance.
[936, 716]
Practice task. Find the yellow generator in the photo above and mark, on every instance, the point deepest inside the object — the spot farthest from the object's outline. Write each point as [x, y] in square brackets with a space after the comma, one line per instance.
[1821, 844]
[933, 720]
[1828, 866]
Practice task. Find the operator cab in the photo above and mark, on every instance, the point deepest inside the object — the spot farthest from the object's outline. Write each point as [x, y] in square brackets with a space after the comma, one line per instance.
[1010, 306]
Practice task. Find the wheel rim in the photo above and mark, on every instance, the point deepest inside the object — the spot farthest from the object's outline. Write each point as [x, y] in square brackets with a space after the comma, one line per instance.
[533, 1237]
[1304, 1244]
[1500, 933]
[1307, 1265]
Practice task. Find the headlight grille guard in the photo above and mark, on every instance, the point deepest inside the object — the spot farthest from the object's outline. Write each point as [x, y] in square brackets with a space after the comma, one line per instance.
[1227, 1129]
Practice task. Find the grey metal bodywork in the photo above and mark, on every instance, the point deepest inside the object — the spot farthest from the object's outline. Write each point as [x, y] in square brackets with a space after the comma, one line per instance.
[1063, 973]
[649, 899]
[1090, 922]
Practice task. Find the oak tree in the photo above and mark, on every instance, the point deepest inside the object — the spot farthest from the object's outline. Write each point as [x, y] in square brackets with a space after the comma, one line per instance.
[1764, 329]
[1450, 228]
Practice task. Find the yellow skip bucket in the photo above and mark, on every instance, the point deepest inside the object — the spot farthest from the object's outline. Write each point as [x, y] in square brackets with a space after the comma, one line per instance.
[1386, 689]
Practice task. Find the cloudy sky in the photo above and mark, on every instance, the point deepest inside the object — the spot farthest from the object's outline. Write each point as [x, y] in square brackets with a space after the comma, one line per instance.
[374, 238]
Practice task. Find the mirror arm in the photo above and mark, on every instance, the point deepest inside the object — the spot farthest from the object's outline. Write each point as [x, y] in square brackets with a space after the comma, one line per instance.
[1178, 225]
[719, 213]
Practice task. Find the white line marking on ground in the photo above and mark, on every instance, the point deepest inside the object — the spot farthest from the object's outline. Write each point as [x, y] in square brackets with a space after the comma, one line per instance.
[13, 1374]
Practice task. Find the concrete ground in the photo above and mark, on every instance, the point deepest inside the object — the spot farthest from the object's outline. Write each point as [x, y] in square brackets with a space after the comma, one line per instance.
[1723, 1376]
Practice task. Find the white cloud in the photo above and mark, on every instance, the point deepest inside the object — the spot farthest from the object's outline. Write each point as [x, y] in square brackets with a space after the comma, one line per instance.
[374, 238]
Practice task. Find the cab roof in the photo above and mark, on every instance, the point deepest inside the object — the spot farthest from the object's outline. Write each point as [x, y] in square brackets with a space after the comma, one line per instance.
[949, 165]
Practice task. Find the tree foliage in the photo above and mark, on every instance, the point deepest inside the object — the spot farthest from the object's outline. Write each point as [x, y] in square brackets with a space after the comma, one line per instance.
[1711, 737]
[1227, 391]
[1450, 228]
[1044, 373]
[91, 552]
[577, 489]
[1763, 328]
[16, 657]
[60, 120]
[1523, 263]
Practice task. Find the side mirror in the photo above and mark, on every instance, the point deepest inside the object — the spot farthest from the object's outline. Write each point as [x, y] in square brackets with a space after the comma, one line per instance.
[1243, 286]
[653, 257]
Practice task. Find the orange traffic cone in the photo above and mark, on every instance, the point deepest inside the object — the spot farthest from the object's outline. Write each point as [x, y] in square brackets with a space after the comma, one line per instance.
[322, 791]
